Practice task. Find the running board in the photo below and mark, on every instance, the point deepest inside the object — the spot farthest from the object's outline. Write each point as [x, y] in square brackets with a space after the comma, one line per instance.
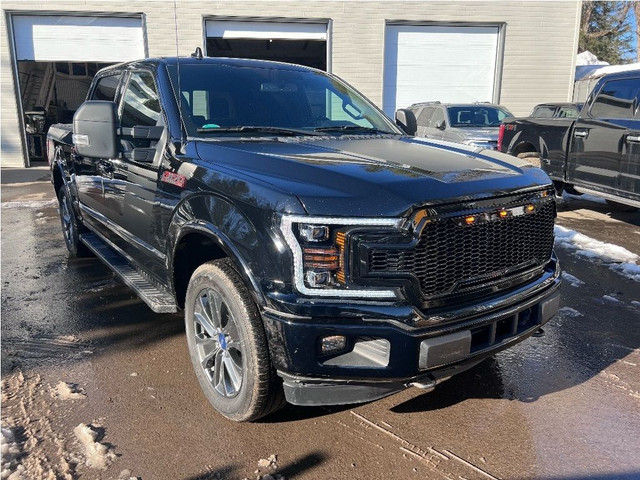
[158, 298]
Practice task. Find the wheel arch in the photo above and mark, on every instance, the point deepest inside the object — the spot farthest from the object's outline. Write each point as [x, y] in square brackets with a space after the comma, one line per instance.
[195, 240]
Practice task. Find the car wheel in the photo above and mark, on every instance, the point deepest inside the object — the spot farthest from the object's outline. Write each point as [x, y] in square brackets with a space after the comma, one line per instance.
[228, 346]
[70, 226]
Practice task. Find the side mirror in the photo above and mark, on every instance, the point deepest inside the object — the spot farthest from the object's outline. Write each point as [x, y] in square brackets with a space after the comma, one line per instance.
[441, 125]
[94, 129]
[406, 120]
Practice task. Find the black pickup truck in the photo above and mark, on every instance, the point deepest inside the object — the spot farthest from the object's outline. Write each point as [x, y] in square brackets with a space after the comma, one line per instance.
[598, 152]
[319, 253]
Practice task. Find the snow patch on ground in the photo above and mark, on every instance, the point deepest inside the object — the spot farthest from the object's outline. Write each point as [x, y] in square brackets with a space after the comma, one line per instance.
[617, 258]
[69, 391]
[635, 303]
[11, 467]
[97, 455]
[611, 299]
[573, 281]
[570, 312]
[31, 204]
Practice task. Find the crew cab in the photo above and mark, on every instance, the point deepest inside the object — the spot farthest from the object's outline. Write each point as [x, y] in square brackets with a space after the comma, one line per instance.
[598, 152]
[319, 253]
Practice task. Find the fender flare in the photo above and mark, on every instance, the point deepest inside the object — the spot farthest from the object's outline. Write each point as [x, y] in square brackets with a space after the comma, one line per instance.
[180, 227]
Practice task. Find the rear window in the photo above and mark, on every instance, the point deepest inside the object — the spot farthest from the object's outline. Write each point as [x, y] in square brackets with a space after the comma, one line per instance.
[106, 88]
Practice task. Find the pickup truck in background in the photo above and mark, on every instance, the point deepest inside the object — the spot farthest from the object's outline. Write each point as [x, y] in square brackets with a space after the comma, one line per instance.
[319, 253]
[598, 152]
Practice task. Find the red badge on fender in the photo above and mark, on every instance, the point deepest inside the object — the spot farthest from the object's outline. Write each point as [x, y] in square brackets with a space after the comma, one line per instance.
[174, 179]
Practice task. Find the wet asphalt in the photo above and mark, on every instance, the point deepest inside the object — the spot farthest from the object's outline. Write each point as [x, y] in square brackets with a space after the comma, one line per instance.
[562, 406]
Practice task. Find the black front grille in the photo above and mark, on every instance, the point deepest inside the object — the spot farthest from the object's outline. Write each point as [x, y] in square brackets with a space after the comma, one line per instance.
[451, 258]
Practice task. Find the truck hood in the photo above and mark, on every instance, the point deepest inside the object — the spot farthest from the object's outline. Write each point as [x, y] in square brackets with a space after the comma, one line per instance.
[379, 176]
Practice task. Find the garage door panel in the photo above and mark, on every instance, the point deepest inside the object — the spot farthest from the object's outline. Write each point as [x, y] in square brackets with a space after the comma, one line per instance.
[450, 64]
[50, 38]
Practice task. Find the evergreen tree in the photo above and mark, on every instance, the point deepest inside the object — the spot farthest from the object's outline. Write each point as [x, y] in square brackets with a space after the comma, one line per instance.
[605, 31]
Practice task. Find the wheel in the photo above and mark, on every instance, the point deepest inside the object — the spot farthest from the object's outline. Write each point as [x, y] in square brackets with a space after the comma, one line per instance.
[70, 226]
[531, 157]
[228, 346]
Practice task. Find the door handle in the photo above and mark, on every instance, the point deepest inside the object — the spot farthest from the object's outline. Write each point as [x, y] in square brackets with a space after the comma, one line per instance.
[633, 138]
[580, 133]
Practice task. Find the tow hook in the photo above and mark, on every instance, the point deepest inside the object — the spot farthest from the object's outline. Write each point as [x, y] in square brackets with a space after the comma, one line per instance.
[539, 333]
[427, 384]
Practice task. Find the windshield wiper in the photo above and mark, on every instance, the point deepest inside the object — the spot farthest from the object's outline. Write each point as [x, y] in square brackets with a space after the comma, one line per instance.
[258, 129]
[352, 128]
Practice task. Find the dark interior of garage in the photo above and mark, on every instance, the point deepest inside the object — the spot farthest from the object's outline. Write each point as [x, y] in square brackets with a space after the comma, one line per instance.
[311, 53]
[50, 93]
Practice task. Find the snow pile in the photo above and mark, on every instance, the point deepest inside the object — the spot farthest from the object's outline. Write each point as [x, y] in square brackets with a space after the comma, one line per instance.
[569, 312]
[97, 455]
[573, 281]
[31, 204]
[611, 299]
[617, 258]
[588, 58]
[11, 467]
[69, 391]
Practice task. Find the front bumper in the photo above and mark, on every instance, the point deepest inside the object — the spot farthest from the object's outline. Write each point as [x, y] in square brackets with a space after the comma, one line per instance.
[385, 356]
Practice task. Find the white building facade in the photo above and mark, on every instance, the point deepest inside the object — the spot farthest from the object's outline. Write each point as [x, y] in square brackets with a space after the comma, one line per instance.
[397, 53]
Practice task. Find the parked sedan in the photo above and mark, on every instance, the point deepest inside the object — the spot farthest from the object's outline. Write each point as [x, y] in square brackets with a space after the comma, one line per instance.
[472, 124]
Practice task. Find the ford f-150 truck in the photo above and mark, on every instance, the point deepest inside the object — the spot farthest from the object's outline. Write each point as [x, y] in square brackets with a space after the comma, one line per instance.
[596, 153]
[319, 253]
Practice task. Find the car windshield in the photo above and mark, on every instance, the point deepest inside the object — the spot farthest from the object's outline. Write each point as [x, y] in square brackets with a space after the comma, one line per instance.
[226, 100]
[476, 116]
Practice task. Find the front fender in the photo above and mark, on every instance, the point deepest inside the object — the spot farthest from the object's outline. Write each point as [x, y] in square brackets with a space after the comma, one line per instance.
[248, 242]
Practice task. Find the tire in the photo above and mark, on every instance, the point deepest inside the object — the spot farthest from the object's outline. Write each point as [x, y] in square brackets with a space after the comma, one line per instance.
[71, 228]
[228, 346]
[531, 157]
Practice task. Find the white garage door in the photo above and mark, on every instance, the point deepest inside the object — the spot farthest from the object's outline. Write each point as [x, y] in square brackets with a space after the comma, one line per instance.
[445, 63]
[267, 30]
[49, 38]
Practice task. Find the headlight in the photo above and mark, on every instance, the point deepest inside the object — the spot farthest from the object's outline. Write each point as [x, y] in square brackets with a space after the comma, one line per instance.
[319, 249]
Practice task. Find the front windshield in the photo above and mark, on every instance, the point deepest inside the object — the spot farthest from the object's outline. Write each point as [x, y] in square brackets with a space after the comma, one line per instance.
[476, 116]
[223, 100]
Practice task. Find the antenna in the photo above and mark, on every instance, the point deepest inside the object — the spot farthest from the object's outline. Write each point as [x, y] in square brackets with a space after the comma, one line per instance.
[175, 22]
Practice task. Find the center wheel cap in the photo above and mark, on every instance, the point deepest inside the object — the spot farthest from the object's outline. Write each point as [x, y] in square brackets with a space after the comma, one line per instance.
[222, 341]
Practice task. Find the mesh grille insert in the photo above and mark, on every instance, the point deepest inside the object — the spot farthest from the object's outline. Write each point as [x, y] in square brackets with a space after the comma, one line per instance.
[450, 258]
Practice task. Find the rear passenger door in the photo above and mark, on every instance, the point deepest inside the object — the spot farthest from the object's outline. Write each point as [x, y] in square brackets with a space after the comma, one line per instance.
[599, 137]
[90, 178]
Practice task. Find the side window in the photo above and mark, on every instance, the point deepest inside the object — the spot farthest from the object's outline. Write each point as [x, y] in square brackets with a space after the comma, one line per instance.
[568, 112]
[424, 116]
[140, 103]
[438, 116]
[543, 112]
[616, 99]
[106, 88]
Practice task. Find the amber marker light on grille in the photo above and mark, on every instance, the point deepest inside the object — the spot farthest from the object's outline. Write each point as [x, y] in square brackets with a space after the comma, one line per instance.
[470, 220]
[529, 208]
[503, 214]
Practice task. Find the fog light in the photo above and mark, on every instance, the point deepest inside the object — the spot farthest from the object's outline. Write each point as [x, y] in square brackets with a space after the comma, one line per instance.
[332, 344]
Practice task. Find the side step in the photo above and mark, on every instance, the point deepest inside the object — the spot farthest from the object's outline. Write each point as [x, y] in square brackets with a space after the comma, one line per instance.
[158, 298]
